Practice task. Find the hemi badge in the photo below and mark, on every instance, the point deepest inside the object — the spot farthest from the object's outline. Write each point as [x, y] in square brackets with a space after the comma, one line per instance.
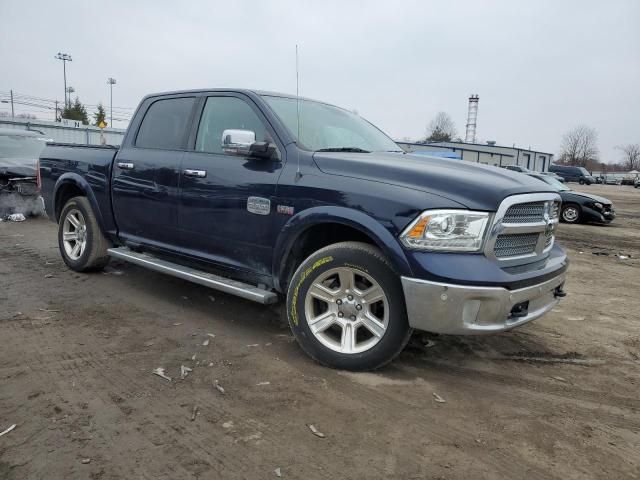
[259, 205]
[285, 209]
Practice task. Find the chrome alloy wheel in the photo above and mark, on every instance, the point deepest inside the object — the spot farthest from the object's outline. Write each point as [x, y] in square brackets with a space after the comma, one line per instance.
[74, 234]
[347, 310]
[570, 214]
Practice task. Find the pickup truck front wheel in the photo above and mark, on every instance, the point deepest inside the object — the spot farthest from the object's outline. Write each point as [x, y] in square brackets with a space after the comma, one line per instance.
[346, 307]
[82, 244]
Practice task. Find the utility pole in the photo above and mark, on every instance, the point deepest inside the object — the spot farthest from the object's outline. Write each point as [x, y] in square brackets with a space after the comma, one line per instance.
[111, 82]
[65, 57]
[12, 112]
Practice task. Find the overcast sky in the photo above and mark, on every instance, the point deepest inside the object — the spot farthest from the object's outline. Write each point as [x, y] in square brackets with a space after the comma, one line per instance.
[540, 67]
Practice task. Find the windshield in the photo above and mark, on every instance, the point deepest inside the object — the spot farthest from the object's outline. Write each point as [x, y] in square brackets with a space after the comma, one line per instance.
[324, 127]
[584, 171]
[19, 153]
[558, 185]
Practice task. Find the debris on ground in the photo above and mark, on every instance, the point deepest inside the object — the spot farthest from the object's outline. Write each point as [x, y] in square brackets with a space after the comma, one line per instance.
[218, 386]
[438, 398]
[253, 345]
[16, 217]
[623, 257]
[560, 379]
[8, 430]
[604, 254]
[211, 364]
[160, 372]
[259, 384]
[212, 335]
[148, 344]
[277, 472]
[184, 371]
[48, 275]
[194, 413]
[315, 431]
[193, 358]
[48, 311]
[227, 424]
[205, 343]
[86, 460]
[177, 324]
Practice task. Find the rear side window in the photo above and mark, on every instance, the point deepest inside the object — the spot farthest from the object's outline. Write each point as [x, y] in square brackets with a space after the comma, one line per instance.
[165, 123]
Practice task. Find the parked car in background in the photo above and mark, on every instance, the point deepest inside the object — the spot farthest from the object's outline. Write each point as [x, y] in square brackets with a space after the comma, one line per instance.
[611, 180]
[637, 183]
[518, 168]
[552, 175]
[573, 174]
[579, 207]
[19, 152]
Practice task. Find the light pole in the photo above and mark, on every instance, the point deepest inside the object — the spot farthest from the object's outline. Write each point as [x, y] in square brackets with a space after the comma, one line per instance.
[65, 57]
[111, 82]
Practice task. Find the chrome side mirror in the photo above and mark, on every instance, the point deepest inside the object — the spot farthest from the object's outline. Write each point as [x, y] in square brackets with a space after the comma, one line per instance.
[238, 142]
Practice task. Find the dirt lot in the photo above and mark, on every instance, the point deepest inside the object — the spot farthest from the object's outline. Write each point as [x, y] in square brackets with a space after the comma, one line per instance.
[558, 398]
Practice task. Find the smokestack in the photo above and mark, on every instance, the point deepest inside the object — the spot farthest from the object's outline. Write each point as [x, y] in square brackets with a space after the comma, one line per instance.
[472, 117]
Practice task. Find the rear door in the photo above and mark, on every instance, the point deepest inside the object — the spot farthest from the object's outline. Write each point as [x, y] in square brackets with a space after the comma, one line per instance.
[227, 202]
[146, 173]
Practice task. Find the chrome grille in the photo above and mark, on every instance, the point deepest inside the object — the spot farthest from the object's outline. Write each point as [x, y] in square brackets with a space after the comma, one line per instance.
[523, 228]
[525, 213]
[516, 244]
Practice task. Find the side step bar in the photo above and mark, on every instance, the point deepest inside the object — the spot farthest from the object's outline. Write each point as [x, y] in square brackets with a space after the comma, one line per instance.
[244, 290]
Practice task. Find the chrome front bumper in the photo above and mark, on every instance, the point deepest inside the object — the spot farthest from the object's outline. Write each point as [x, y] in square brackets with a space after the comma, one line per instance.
[467, 310]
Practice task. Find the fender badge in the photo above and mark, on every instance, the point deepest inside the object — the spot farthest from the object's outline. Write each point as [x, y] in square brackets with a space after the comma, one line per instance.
[259, 205]
[285, 209]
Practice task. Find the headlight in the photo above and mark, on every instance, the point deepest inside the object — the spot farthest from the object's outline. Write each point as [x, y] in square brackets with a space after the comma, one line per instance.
[598, 205]
[450, 230]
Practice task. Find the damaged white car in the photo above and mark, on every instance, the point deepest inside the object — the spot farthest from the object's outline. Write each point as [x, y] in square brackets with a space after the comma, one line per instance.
[19, 191]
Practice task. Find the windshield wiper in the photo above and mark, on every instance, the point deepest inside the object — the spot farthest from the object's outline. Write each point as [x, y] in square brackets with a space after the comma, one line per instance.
[344, 149]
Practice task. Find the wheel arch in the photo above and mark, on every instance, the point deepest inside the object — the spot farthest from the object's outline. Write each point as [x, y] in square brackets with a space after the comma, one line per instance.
[72, 185]
[318, 227]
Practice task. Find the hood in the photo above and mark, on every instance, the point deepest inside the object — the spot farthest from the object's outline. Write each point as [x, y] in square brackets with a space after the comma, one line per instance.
[475, 186]
[583, 196]
[21, 167]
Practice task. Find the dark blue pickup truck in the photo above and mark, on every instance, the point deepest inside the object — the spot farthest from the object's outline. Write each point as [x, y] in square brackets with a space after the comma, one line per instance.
[265, 195]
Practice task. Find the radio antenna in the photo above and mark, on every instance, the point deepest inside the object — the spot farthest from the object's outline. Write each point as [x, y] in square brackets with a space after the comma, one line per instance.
[298, 174]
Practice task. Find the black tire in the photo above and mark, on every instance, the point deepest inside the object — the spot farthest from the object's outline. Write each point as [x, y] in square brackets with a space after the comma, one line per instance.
[581, 181]
[571, 213]
[94, 257]
[364, 261]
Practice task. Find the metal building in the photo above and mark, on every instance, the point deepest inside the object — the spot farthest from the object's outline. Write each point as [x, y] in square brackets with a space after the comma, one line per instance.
[487, 153]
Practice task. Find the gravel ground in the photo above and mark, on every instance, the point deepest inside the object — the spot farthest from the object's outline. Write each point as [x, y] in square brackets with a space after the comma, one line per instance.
[558, 398]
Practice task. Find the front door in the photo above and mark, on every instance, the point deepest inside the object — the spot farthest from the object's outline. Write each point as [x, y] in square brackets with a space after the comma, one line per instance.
[227, 201]
[146, 175]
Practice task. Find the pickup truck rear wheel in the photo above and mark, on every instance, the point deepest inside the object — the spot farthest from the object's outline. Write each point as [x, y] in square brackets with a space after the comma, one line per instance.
[346, 307]
[82, 244]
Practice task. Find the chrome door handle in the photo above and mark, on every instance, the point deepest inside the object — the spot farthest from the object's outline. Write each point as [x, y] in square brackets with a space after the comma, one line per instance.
[195, 173]
[125, 165]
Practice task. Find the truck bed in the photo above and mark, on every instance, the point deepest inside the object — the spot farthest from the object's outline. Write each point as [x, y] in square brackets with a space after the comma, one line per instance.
[81, 165]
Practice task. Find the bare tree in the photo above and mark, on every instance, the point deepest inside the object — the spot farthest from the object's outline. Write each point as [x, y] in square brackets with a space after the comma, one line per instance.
[631, 155]
[441, 129]
[579, 146]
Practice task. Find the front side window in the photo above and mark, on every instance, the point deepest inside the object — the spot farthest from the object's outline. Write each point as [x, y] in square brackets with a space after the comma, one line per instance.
[325, 127]
[165, 123]
[227, 113]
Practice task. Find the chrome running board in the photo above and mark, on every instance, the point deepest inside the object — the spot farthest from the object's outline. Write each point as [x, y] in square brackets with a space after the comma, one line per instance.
[244, 290]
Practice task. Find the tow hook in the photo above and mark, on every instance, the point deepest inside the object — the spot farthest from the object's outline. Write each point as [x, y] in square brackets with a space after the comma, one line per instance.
[559, 292]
